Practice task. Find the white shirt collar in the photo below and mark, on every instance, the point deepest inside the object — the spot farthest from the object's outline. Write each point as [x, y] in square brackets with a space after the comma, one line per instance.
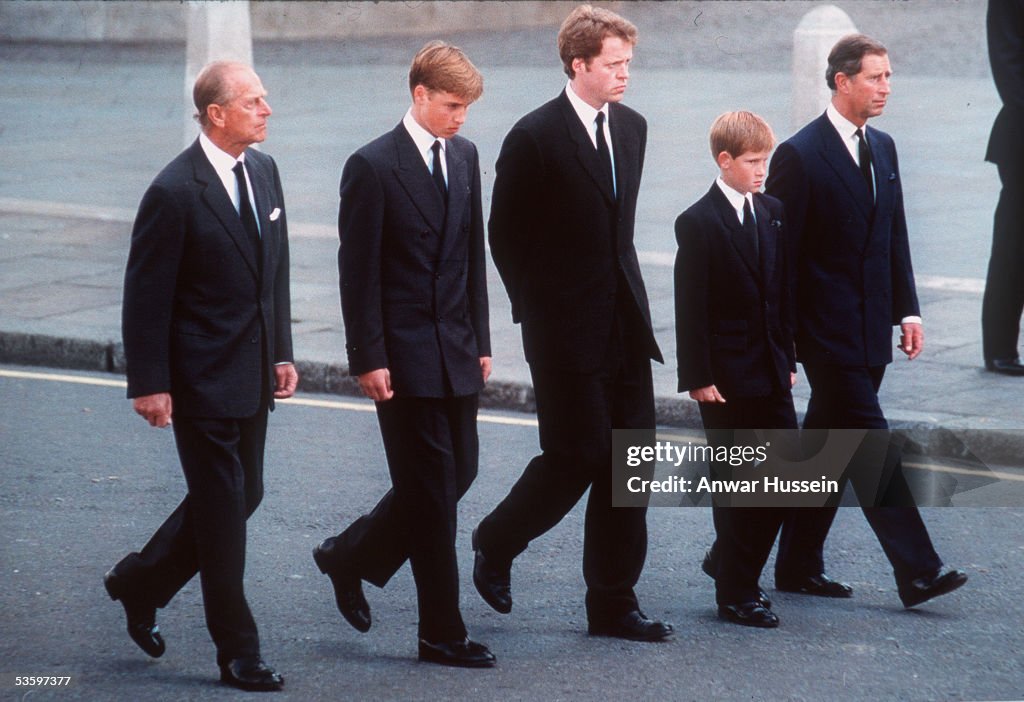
[222, 163]
[586, 113]
[847, 131]
[423, 139]
[735, 198]
[221, 160]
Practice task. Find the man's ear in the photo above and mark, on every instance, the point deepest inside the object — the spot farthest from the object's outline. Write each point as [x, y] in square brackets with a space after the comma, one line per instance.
[724, 160]
[215, 114]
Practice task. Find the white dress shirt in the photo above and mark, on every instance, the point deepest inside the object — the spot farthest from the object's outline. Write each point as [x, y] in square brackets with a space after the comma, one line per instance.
[424, 141]
[588, 116]
[222, 163]
[736, 199]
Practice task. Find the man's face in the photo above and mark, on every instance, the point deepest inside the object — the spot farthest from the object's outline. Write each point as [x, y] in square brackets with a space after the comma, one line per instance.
[439, 112]
[243, 119]
[744, 173]
[603, 79]
[864, 95]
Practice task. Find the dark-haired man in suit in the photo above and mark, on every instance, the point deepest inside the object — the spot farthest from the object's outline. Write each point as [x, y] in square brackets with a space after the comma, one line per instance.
[1004, 287]
[414, 301]
[207, 343]
[839, 182]
[561, 233]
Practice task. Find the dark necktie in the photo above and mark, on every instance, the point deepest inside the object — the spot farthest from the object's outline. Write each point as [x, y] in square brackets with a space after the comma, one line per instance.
[603, 152]
[437, 171]
[245, 212]
[864, 152]
[750, 227]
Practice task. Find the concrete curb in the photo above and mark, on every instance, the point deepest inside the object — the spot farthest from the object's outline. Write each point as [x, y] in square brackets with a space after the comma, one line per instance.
[925, 438]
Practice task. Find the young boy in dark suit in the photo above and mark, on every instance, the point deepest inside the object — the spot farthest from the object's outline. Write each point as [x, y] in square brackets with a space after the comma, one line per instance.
[734, 340]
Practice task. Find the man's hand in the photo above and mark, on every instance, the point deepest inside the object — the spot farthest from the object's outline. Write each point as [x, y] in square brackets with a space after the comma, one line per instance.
[376, 384]
[485, 367]
[155, 409]
[911, 339]
[708, 394]
[792, 379]
[287, 379]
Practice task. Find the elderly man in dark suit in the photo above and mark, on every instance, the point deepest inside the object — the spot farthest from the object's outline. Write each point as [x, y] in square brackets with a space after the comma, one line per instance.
[839, 182]
[1004, 288]
[414, 301]
[561, 232]
[207, 342]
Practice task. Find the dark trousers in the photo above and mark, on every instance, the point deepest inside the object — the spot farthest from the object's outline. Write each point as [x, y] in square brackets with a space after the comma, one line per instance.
[223, 464]
[744, 535]
[1003, 302]
[576, 413]
[847, 398]
[432, 449]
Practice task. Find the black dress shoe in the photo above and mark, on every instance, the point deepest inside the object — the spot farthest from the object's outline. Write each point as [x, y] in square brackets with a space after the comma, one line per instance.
[924, 589]
[820, 585]
[634, 626]
[142, 626]
[493, 582]
[1005, 366]
[460, 654]
[706, 566]
[348, 594]
[749, 614]
[251, 674]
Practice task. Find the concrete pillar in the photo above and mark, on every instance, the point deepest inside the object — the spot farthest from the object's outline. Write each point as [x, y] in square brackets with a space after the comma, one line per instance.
[215, 31]
[813, 38]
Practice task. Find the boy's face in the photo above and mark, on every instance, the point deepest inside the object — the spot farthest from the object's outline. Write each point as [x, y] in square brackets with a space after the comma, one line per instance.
[744, 173]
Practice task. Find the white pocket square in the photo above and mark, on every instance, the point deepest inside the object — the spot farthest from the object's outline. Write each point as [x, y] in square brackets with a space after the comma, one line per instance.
[275, 214]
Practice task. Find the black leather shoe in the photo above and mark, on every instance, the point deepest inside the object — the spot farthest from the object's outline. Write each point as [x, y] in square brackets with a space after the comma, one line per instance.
[141, 619]
[924, 589]
[251, 674]
[634, 626]
[494, 583]
[820, 585]
[706, 566]
[1005, 366]
[460, 654]
[348, 594]
[749, 614]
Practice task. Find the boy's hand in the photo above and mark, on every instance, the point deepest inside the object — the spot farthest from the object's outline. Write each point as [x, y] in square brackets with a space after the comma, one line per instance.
[708, 394]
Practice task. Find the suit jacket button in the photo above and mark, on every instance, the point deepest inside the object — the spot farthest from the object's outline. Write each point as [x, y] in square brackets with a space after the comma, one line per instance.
[253, 340]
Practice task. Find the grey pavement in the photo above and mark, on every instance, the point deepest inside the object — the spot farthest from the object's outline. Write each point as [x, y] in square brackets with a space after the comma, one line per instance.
[106, 479]
[84, 128]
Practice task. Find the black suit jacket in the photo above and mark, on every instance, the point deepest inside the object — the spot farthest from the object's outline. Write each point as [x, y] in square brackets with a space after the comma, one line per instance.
[1006, 55]
[733, 309]
[197, 314]
[561, 240]
[413, 279]
[854, 279]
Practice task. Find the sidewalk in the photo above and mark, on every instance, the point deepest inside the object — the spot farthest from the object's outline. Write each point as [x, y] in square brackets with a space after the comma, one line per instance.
[75, 171]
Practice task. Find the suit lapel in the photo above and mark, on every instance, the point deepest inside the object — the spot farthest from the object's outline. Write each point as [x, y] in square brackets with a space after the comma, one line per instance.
[261, 187]
[586, 152]
[767, 238]
[458, 195]
[411, 171]
[624, 143]
[217, 199]
[836, 155]
[737, 237]
[885, 172]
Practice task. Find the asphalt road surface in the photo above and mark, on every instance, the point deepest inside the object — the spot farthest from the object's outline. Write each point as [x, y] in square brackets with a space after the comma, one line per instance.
[84, 481]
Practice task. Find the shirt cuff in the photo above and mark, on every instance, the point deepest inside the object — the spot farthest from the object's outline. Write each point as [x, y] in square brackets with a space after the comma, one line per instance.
[911, 320]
